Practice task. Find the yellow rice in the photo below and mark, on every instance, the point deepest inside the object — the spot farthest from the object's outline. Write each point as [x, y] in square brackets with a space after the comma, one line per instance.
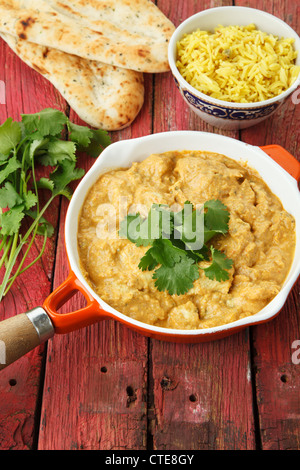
[237, 63]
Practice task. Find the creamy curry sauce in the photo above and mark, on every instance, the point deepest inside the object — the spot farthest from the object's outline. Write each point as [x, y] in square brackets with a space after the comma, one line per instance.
[260, 240]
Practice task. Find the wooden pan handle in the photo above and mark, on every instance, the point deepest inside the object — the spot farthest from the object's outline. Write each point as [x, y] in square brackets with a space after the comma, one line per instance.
[22, 333]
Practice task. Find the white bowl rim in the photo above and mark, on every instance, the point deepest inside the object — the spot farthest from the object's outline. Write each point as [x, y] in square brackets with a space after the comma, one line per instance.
[211, 100]
[260, 317]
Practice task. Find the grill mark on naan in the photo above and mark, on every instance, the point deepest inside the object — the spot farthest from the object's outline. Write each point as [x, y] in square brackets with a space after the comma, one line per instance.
[101, 41]
[102, 95]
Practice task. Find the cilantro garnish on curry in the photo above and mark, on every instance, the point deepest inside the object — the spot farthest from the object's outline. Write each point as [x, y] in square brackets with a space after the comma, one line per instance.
[171, 256]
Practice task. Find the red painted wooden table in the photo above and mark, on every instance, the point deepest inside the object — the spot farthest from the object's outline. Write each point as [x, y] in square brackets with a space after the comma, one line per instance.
[106, 387]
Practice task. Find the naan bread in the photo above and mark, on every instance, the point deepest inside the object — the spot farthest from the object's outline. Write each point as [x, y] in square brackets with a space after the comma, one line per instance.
[139, 17]
[131, 34]
[102, 95]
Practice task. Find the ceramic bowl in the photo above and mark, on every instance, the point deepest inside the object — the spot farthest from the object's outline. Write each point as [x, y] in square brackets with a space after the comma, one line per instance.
[224, 114]
[279, 169]
[281, 176]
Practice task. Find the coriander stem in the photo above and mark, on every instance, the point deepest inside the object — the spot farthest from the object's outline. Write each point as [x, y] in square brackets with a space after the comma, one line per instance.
[21, 143]
[3, 242]
[35, 185]
[16, 252]
[36, 227]
[5, 252]
[36, 221]
[18, 272]
[14, 245]
[23, 259]
[23, 184]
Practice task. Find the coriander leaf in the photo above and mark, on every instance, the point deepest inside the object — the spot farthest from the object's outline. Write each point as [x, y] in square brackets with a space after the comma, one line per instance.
[197, 255]
[143, 232]
[175, 245]
[47, 122]
[99, 141]
[128, 227]
[164, 252]
[191, 229]
[161, 220]
[45, 183]
[12, 165]
[81, 135]
[136, 230]
[63, 175]
[11, 220]
[208, 234]
[3, 158]
[190, 226]
[176, 273]
[38, 138]
[178, 217]
[30, 199]
[37, 146]
[57, 151]
[158, 225]
[147, 262]
[10, 135]
[142, 235]
[217, 216]
[178, 279]
[45, 225]
[218, 267]
[9, 196]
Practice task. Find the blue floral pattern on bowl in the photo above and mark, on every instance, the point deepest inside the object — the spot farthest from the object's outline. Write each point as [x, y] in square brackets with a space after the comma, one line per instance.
[225, 112]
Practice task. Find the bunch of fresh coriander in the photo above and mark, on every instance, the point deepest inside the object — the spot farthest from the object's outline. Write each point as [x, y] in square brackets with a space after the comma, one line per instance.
[173, 246]
[36, 140]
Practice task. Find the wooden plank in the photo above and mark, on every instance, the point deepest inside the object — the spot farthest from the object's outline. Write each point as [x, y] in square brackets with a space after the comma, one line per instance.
[196, 388]
[196, 392]
[95, 394]
[96, 386]
[26, 92]
[277, 377]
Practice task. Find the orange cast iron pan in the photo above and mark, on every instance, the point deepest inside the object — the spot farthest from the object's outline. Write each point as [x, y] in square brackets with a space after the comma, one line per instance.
[23, 332]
